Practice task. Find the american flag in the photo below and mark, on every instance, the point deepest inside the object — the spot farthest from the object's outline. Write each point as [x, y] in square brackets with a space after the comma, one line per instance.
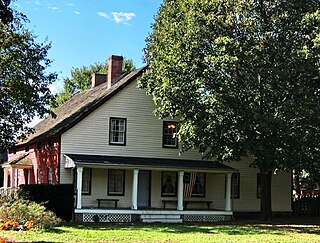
[188, 185]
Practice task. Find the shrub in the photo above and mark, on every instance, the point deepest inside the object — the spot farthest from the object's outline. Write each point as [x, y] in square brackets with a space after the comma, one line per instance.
[26, 214]
[57, 198]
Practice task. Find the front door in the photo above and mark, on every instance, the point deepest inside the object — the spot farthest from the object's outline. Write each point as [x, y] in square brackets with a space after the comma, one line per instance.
[144, 189]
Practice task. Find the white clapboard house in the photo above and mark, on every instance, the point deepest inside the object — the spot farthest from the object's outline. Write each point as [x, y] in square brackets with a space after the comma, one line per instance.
[126, 164]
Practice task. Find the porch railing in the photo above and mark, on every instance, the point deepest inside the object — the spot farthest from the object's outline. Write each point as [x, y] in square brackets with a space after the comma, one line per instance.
[8, 193]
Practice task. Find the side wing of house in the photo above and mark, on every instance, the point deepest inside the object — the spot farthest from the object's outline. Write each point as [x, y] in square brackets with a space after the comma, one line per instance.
[35, 163]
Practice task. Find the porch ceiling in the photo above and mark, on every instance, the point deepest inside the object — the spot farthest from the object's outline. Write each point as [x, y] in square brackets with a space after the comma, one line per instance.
[145, 163]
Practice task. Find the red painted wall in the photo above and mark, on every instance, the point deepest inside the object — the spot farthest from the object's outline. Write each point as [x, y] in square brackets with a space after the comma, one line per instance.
[43, 155]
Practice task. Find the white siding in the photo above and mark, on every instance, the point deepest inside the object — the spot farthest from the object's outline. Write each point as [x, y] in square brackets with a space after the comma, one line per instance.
[144, 129]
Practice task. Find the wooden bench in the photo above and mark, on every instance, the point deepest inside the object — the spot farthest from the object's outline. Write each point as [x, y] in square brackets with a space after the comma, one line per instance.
[107, 200]
[186, 202]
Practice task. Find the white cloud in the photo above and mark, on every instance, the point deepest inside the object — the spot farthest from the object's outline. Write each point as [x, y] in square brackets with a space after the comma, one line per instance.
[70, 4]
[121, 17]
[54, 87]
[53, 8]
[76, 12]
[37, 2]
[104, 15]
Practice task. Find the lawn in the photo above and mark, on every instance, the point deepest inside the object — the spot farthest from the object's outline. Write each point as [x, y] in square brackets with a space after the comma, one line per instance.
[280, 230]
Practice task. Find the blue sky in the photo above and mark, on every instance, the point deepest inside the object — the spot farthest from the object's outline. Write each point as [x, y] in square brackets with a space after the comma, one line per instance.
[84, 32]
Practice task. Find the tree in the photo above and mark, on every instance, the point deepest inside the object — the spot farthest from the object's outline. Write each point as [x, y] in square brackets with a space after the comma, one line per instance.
[6, 13]
[23, 81]
[243, 77]
[81, 80]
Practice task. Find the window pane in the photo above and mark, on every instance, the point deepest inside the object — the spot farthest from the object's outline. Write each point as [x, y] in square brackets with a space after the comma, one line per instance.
[117, 130]
[86, 180]
[169, 180]
[235, 181]
[116, 182]
[169, 131]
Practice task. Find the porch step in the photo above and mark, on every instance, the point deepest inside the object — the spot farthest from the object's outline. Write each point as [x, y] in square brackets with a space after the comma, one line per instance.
[160, 218]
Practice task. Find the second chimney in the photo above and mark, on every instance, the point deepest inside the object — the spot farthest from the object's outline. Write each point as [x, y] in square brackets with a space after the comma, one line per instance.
[114, 69]
[97, 79]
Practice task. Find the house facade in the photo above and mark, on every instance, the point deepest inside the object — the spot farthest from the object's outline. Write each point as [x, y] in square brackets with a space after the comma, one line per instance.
[126, 164]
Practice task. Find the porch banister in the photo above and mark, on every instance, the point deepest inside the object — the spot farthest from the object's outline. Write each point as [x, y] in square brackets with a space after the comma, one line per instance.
[79, 186]
[180, 191]
[135, 189]
[13, 177]
[228, 193]
[5, 177]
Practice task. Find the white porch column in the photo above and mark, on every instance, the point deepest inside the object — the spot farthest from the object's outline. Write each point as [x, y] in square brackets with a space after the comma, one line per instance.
[180, 191]
[13, 177]
[135, 189]
[79, 186]
[228, 193]
[5, 177]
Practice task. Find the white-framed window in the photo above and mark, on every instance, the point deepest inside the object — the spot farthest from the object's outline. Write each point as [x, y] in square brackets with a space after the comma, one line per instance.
[235, 185]
[169, 184]
[86, 181]
[117, 131]
[169, 139]
[116, 182]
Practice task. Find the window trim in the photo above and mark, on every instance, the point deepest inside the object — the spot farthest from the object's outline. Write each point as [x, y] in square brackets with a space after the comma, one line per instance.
[163, 127]
[175, 184]
[125, 131]
[123, 183]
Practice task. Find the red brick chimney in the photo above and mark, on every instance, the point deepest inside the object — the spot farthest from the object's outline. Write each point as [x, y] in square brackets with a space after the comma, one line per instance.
[97, 79]
[114, 69]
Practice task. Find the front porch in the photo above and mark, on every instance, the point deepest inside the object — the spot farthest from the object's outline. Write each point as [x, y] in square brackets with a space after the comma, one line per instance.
[151, 215]
[158, 190]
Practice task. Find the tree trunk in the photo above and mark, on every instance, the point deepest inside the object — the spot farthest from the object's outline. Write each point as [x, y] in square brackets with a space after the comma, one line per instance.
[265, 206]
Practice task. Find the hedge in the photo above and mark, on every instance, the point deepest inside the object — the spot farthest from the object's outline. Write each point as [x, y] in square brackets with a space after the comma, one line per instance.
[57, 198]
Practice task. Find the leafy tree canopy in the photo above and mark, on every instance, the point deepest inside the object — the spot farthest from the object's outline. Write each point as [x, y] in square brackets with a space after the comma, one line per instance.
[24, 91]
[81, 80]
[243, 76]
[6, 13]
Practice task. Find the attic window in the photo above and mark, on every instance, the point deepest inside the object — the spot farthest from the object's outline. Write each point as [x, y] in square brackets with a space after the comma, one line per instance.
[117, 131]
[39, 145]
[169, 139]
[26, 148]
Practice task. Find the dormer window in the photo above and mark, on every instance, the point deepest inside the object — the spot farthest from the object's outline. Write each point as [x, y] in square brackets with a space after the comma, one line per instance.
[169, 139]
[117, 135]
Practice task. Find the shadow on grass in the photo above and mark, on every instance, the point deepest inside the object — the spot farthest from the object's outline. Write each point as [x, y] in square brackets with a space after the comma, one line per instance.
[279, 226]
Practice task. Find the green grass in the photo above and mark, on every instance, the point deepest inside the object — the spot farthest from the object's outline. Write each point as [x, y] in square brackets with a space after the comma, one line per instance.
[299, 230]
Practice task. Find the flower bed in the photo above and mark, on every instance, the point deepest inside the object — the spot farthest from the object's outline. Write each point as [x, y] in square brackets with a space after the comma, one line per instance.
[24, 215]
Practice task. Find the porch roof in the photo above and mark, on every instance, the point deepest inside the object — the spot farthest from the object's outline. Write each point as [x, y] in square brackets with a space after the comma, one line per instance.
[85, 160]
[22, 161]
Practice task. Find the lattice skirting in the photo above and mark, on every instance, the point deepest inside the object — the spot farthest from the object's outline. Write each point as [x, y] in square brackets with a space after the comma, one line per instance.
[91, 217]
[204, 218]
